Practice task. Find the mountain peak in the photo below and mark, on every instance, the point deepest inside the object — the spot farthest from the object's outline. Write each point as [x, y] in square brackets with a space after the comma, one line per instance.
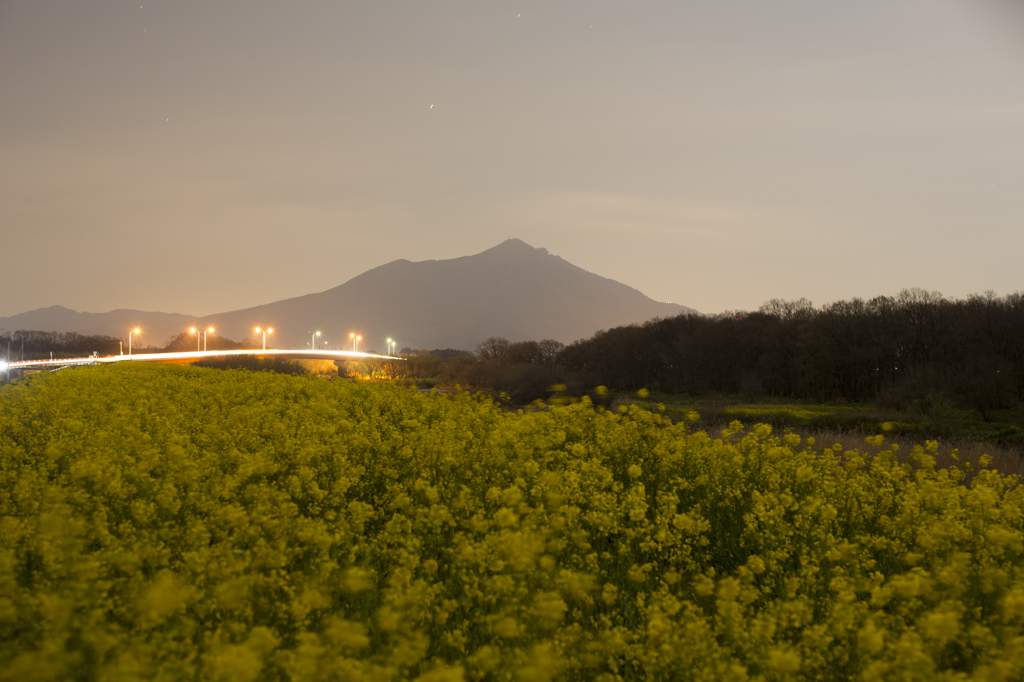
[515, 245]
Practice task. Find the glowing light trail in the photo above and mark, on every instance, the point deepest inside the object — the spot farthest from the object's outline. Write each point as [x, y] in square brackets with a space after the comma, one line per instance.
[189, 356]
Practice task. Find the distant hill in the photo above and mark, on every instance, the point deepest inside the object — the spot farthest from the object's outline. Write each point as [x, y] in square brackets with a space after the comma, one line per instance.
[512, 290]
[158, 326]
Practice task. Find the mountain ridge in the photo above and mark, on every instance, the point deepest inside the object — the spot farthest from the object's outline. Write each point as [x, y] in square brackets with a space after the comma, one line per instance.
[513, 290]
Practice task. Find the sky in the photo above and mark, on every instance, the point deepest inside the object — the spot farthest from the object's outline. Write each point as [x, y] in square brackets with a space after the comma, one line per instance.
[198, 157]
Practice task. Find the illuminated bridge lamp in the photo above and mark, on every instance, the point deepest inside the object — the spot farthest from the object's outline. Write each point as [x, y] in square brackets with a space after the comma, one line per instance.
[134, 331]
[193, 331]
[355, 340]
[390, 344]
[315, 334]
[204, 337]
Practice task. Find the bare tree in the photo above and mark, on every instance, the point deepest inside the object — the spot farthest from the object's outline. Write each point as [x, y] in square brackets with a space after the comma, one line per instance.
[549, 349]
[494, 348]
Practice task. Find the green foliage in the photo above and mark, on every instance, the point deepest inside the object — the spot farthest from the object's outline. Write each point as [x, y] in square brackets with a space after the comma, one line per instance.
[934, 417]
[172, 522]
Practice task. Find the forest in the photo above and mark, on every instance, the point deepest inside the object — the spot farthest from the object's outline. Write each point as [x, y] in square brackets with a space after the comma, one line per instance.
[889, 349]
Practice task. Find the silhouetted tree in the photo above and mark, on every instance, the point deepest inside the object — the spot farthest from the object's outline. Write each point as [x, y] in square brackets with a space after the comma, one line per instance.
[494, 348]
[39, 344]
[549, 349]
[897, 350]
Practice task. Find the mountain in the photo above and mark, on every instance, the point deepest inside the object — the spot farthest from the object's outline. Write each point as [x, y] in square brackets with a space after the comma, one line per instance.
[512, 290]
[158, 326]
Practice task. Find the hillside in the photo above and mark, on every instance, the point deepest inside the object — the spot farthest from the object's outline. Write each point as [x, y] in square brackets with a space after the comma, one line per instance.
[512, 290]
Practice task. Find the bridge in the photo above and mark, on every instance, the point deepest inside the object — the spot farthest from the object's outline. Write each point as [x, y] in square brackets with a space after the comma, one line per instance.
[192, 356]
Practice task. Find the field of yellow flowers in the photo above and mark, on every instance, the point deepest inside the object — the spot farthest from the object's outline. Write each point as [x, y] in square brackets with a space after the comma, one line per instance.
[179, 523]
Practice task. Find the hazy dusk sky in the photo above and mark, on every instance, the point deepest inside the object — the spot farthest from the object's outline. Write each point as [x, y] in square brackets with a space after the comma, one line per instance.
[198, 157]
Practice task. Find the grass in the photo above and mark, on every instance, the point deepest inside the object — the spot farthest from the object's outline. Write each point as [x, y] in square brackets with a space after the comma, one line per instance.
[958, 431]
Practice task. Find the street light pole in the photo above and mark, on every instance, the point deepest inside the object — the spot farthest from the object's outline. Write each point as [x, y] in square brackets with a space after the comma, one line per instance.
[265, 331]
[134, 331]
[313, 335]
[204, 337]
[193, 331]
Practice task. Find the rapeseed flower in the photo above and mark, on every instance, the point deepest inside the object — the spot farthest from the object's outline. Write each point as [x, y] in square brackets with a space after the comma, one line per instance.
[225, 525]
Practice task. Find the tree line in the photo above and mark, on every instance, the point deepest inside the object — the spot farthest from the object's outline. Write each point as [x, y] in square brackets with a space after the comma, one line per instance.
[27, 344]
[890, 349]
[524, 370]
[894, 350]
[33, 345]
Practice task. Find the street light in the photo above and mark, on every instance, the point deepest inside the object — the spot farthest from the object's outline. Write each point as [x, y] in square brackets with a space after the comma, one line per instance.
[134, 331]
[314, 334]
[391, 346]
[193, 331]
[355, 341]
[265, 332]
[204, 337]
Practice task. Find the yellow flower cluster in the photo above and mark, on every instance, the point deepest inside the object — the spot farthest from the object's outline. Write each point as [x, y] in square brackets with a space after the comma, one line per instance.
[175, 523]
